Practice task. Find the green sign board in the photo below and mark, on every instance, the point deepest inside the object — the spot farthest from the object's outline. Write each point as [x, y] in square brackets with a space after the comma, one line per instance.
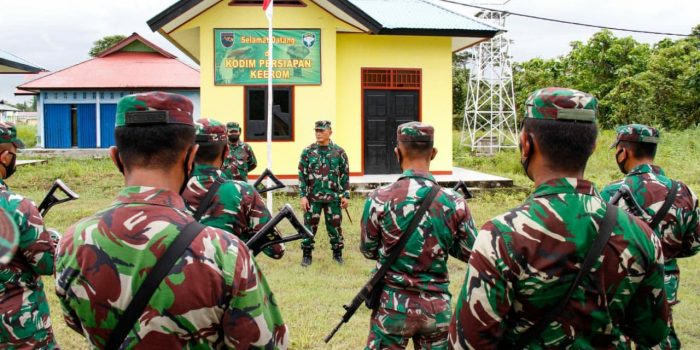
[240, 57]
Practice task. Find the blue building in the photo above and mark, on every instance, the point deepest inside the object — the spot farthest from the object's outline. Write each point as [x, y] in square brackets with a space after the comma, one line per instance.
[77, 105]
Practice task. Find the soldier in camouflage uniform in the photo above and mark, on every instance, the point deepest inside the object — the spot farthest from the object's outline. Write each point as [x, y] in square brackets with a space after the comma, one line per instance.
[213, 297]
[240, 159]
[25, 322]
[236, 207]
[324, 185]
[523, 261]
[679, 229]
[415, 301]
[9, 237]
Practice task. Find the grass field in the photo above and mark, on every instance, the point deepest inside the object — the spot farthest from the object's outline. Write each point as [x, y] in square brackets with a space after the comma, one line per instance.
[311, 298]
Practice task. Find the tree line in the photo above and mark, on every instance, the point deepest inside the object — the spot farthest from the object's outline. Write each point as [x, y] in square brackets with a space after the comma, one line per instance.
[635, 82]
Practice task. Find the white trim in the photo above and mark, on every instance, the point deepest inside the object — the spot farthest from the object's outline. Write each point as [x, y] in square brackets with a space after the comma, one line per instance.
[40, 121]
[97, 121]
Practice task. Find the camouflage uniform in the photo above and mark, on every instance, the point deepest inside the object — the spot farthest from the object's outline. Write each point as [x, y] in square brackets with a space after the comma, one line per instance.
[241, 159]
[236, 207]
[324, 177]
[25, 322]
[679, 230]
[214, 296]
[523, 262]
[9, 237]
[415, 301]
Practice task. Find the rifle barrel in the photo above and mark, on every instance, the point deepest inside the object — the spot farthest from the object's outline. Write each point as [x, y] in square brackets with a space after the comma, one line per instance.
[333, 332]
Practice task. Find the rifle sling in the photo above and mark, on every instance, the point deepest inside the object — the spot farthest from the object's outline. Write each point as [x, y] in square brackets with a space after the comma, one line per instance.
[666, 207]
[398, 248]
[204, 205]
[150, 284]
[594, 252]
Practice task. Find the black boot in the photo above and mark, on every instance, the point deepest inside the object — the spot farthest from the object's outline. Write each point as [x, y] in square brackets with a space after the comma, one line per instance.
[306, 258]
[338, 256]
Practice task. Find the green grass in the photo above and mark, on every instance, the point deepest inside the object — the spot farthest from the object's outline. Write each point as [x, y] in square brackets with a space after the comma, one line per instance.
[311, 299]
[27, 133]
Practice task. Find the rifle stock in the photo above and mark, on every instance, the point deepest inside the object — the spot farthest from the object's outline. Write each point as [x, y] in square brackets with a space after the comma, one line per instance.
[625, 193]
[268, 235]
[50, 199]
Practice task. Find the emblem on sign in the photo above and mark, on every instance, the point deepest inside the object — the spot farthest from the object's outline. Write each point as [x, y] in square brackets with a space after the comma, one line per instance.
[227, 39]
[309, 39]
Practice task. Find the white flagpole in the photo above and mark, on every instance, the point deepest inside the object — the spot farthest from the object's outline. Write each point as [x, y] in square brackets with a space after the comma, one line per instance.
[270, 95]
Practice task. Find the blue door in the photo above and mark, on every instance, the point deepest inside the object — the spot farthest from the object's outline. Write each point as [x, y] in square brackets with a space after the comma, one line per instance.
[87, 126]
[108, 113]
[57, 126]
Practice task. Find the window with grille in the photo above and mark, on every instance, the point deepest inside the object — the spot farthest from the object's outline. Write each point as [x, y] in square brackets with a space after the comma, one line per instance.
[282, 113]
[387, 78]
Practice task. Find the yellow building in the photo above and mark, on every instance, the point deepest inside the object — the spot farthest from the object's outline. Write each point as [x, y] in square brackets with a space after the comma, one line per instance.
[366, 65]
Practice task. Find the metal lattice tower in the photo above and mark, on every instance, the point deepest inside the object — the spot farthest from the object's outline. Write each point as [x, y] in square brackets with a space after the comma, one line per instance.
[490, 120]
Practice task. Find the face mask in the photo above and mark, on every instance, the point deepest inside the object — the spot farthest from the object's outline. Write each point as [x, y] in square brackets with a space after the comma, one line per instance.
[234, 138]
[526, 162]
[11, 168]
[186, 170]
[621, 164]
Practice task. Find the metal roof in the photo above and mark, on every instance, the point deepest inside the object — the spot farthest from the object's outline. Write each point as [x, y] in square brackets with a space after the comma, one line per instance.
[419, 14]
[121, 69]
[12, 64]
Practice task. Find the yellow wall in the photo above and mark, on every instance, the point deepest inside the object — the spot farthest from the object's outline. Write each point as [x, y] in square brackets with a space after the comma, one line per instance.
[338, 98]
[431, 54]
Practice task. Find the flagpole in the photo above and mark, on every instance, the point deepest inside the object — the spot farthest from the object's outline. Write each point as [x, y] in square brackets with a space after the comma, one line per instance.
[270, 95]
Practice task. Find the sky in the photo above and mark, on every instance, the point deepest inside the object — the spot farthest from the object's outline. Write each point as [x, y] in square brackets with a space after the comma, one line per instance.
[57, 34]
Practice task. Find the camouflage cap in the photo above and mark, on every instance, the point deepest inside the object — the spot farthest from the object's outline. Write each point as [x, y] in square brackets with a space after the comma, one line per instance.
[636, 133]
[558, 103]
[322, 125]
[233, 126]
[415, 132]
[209, 130]
[8, 134]
[9, 237]
[153, 108]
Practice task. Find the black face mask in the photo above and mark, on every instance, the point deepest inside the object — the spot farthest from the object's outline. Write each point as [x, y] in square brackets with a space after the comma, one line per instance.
[11, 168]
[186, 169]
[234, 138]
[526, 162]
[621, 164]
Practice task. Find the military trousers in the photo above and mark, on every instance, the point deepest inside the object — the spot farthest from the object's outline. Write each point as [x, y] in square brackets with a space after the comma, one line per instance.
[405, 315]
[334, 218]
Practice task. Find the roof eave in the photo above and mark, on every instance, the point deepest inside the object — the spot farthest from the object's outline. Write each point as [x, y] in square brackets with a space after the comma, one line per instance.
[175, 10]
[21, 66]
[359, 15]
[465, 33]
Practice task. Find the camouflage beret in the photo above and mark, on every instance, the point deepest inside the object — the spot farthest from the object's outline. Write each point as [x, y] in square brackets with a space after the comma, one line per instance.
[209, 130]
[8, 134]
[561, 104]
[233, 126]
[9, 237]
[322, 125]
[636, 133]
[154, 108]
[415, 132]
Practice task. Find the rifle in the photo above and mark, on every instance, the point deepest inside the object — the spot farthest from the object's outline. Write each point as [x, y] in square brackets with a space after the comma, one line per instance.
[51, 199]
[461, 186]
[625, 193]
[268, 235]
[259, 182]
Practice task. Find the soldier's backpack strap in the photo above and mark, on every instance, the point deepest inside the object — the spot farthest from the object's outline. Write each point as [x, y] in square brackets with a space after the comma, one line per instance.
[149, 286]
[204, 204]
[661, 214]
[372, 300]
[593, 255]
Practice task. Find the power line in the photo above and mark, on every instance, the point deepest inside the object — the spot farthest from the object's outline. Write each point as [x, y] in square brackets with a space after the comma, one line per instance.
[562, 21]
